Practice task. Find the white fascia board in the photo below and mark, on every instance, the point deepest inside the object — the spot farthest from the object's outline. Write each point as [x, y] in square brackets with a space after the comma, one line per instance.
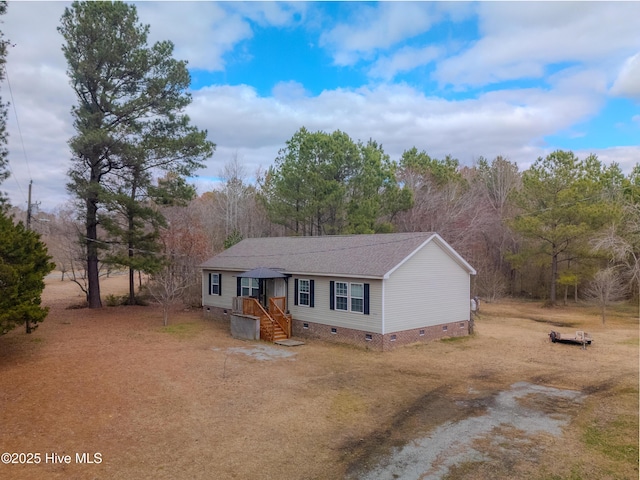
[447, 248]
[405, 259]
[455, 255]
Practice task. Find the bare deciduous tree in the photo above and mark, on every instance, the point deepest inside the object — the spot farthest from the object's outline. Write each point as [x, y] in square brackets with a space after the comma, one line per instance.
[232, 202]
[605, 288]
[500, 178]
[185, 246]
[490, 282]
[624, 247]
[167, 286]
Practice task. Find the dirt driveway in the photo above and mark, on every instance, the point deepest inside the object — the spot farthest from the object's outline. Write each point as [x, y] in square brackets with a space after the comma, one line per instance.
[114, 388]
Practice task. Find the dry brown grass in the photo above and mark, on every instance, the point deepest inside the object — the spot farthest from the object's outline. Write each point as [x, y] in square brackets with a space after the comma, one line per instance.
[176, 403]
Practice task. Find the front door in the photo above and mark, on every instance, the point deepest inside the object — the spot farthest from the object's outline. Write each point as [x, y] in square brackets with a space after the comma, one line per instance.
[263, 296]
[275, 287]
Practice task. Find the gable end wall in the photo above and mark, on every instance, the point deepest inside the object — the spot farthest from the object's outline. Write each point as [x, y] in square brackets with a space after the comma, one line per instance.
[429, 289]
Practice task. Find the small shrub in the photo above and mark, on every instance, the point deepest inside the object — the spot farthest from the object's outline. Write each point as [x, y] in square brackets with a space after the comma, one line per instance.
[113, 300]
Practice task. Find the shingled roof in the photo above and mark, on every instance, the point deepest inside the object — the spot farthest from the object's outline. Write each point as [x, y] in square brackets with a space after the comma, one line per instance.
[345, 255]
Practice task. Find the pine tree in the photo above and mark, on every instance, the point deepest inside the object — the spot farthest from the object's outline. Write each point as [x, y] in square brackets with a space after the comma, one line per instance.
[24, 263]
[129, 118]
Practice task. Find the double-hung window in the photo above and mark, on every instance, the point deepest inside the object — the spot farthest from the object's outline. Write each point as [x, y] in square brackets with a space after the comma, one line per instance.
[357, 297]
[342, 296]
[304, 292]
[349, 297]
[250, 287]
[215, 284]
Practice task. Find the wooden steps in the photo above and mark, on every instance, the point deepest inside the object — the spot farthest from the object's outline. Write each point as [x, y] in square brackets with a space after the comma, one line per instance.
[278, 333]
[274, 326]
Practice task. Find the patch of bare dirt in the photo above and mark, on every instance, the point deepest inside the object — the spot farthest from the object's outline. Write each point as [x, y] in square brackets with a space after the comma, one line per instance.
[187, 401]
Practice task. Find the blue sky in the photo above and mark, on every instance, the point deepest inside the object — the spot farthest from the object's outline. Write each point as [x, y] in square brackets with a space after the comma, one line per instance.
[469, 79]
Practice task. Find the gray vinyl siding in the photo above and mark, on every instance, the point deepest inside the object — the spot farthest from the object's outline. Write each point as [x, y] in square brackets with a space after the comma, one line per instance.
[430, 288]
[228, 289]
[321, 312]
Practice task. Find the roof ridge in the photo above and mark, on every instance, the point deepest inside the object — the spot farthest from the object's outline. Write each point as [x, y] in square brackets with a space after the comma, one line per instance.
[373, 255]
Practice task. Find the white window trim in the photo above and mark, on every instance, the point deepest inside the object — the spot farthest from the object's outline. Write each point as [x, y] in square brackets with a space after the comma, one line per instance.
[300, 292]
[215, 283]
[357, 298]
[336, 296]
[250, 287]
[348, 297]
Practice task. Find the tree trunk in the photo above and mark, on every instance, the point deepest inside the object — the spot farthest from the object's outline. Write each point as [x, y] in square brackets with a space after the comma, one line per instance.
[132, 286]
[132, 283]
[93, 274]
[131, 227]
[554, 277]
[165, 314]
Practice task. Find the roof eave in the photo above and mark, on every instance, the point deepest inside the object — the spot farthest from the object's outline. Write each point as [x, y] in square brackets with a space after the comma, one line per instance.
[448, 248]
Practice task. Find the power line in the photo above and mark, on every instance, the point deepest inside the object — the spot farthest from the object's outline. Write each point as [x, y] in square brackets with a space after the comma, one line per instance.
[24, 150]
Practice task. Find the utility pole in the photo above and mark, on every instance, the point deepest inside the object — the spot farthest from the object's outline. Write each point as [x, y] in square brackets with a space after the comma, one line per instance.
[29, 208]
[29, 215]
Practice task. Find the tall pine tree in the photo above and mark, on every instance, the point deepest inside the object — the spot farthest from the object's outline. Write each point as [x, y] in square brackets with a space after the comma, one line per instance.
[561, 205]
[129, 118]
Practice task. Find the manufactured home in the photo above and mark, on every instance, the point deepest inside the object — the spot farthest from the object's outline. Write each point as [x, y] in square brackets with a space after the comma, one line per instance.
[377, 291]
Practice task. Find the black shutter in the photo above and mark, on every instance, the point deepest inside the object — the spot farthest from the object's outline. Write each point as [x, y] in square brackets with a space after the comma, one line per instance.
[210, 283]
[366, 299]
[219, 284]
[239, 287]
[295, 291]
[332, 299]
[311, 292]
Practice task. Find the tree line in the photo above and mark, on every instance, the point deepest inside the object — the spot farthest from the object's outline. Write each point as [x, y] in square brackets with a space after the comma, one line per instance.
[546, 232]
[539, 232]
[542, 232]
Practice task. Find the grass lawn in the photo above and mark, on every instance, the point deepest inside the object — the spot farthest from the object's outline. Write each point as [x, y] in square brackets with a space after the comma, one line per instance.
[189, 401]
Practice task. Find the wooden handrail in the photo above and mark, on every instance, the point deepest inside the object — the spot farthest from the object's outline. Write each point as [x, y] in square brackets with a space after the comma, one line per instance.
[278, 314]
[251, 306]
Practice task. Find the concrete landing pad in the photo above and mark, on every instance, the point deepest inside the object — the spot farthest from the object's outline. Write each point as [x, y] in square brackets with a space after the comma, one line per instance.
[289, 342]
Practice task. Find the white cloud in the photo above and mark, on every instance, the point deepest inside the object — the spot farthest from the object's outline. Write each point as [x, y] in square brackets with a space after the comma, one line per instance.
[202, 32]
[513, 123]
[580, 79]
[404, 60]
[291, 90]
[379, 27]
[278, 14]
[519, 40]
[627, 84]
[626, 157]
[39, 120]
